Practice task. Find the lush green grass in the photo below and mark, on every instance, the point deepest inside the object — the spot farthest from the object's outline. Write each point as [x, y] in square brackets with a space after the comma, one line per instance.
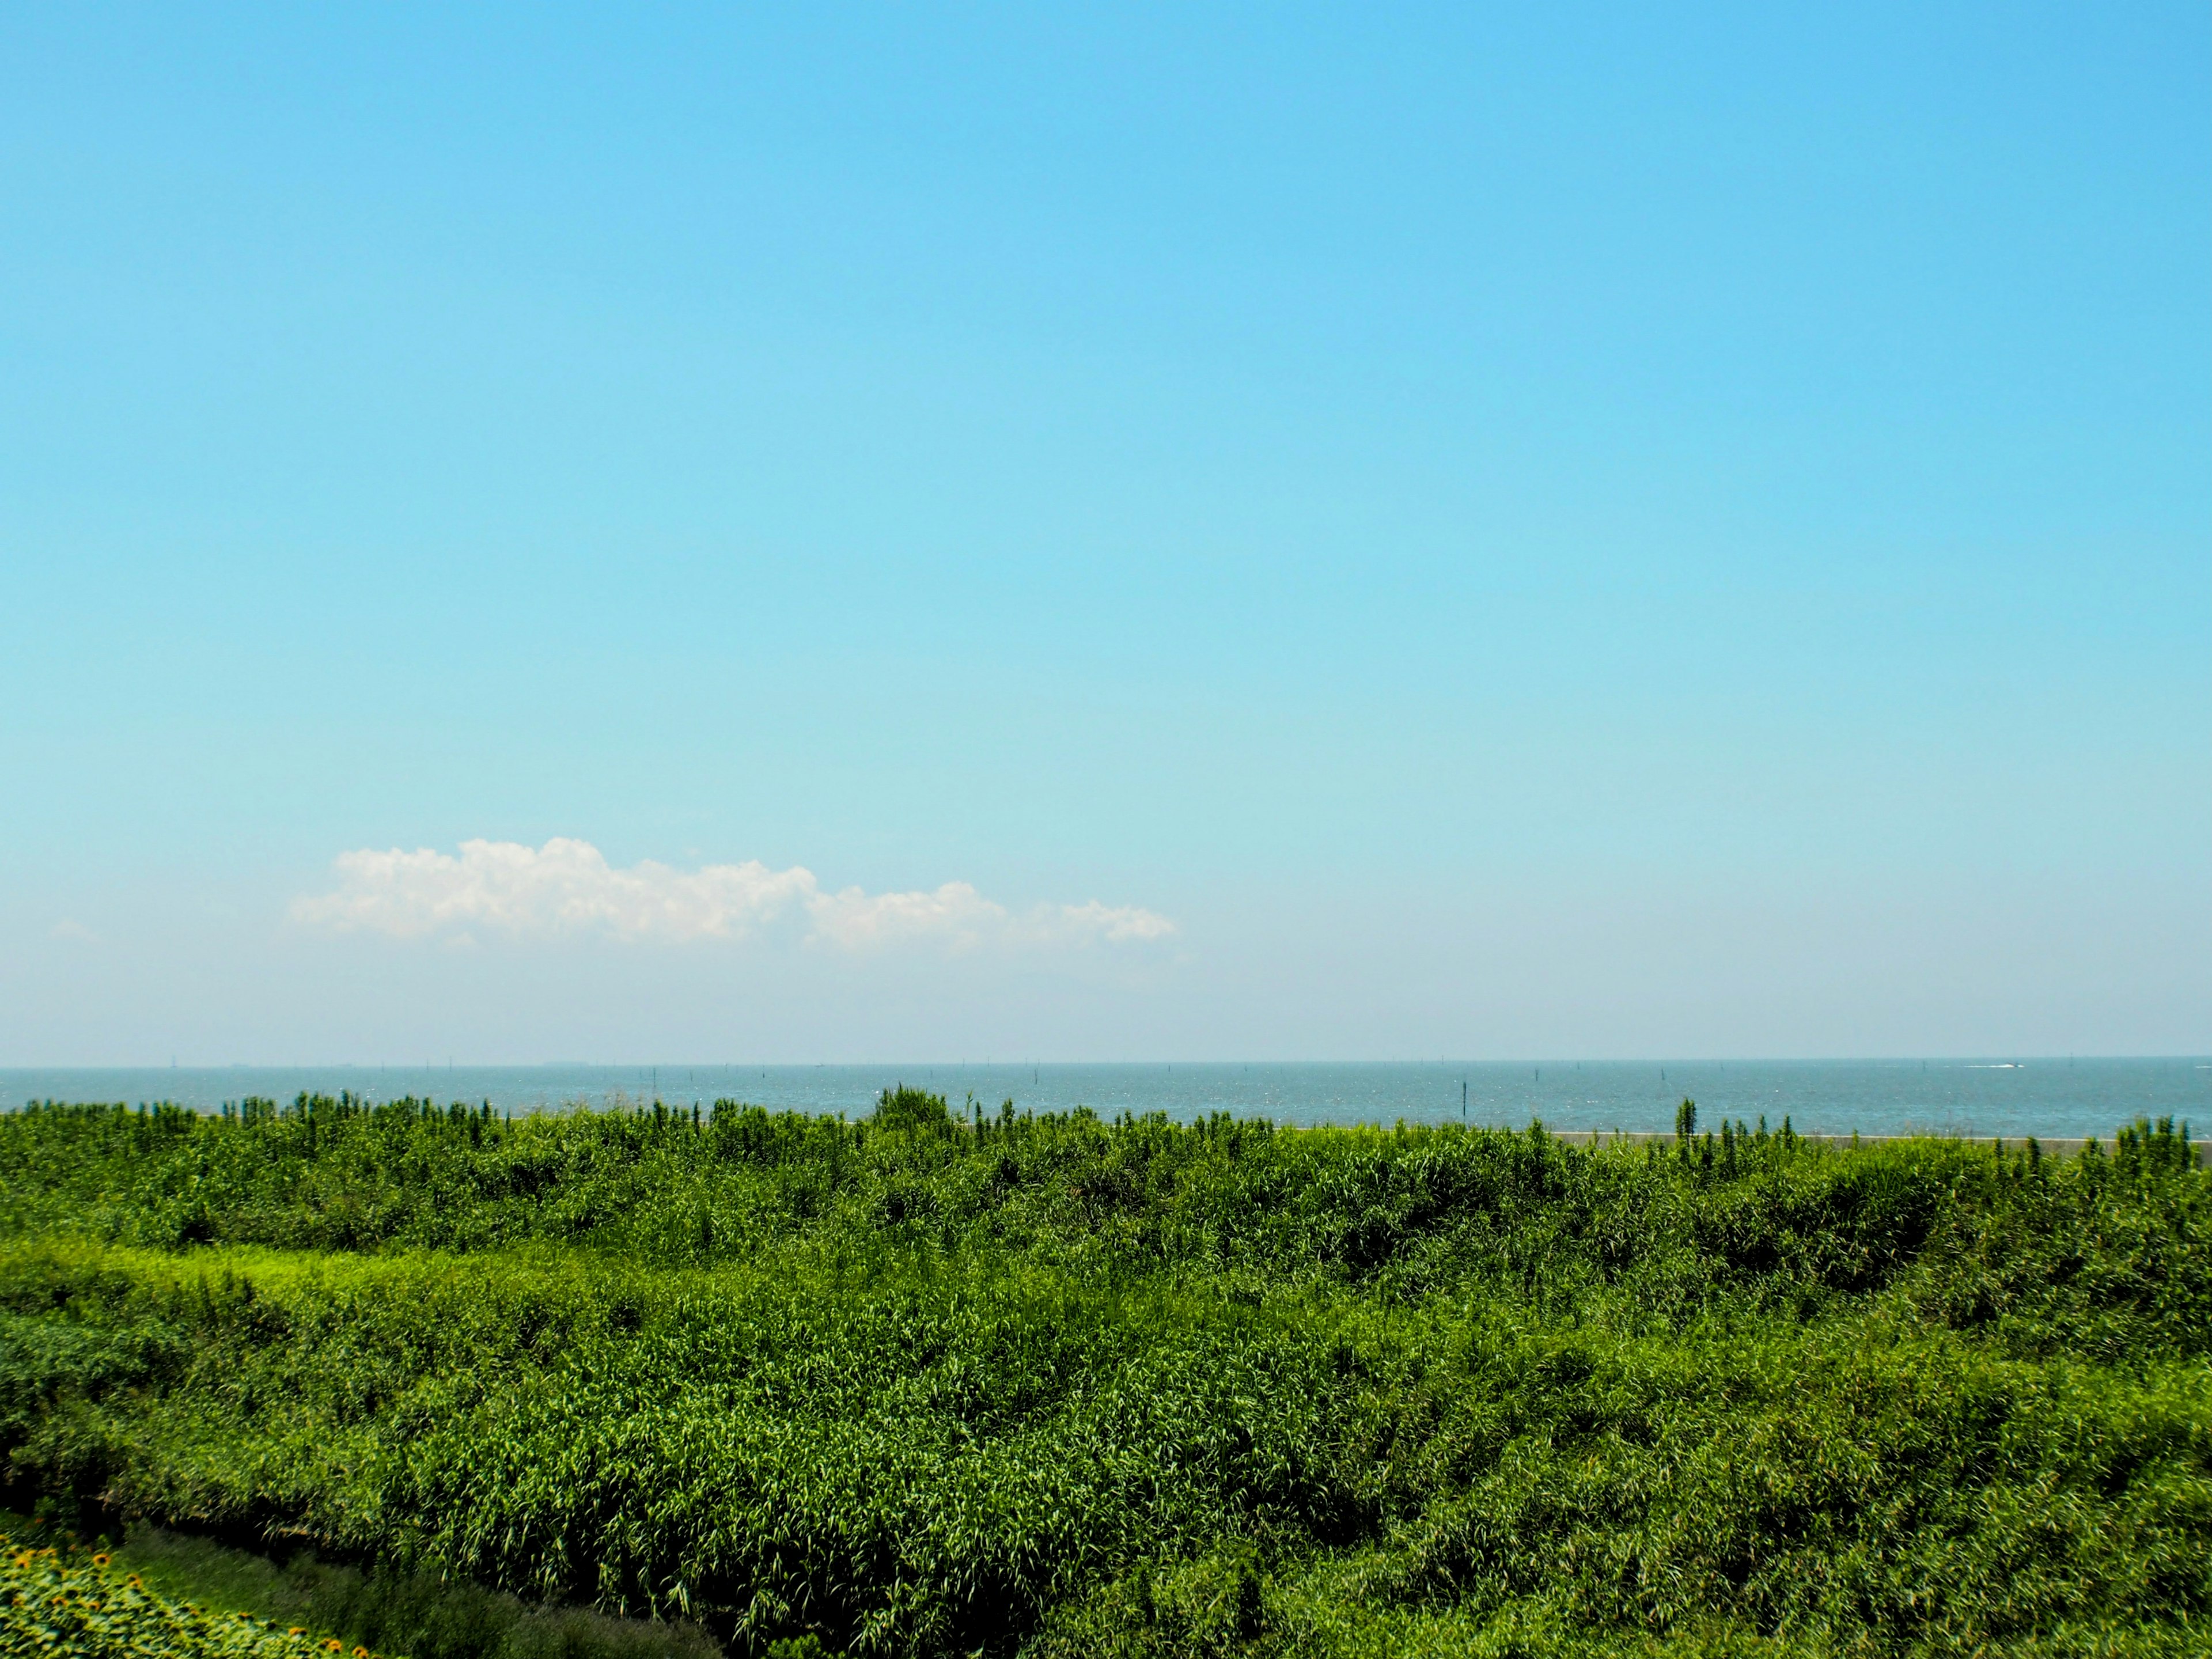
[938, 1383]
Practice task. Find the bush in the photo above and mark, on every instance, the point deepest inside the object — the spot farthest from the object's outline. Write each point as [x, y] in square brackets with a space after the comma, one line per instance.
[944, 1383]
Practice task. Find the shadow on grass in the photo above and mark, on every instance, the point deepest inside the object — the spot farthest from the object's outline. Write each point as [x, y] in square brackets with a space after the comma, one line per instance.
[418, 1615]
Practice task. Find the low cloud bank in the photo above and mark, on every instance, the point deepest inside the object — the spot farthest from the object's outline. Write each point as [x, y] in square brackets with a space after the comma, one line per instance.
[567, 886]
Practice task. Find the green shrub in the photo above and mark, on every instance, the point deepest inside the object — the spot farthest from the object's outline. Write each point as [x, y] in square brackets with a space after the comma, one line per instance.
[944, 1383]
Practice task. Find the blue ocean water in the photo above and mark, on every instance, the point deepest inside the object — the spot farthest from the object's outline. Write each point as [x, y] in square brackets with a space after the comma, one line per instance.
[2056, 1098]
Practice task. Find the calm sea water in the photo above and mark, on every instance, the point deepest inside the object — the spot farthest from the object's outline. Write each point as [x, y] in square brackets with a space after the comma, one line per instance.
[2050, 1097]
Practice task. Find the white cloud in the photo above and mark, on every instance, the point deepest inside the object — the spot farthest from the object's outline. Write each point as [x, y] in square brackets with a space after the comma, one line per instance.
[1115, 923]
[564, 886]
[567, 886]
[69, 928]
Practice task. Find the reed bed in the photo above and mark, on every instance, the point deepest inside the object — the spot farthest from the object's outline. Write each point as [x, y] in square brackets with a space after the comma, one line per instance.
[947, 1381]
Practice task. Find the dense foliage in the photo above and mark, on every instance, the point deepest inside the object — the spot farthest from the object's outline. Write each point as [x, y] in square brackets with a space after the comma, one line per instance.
[940, 1382]
[72, 1600]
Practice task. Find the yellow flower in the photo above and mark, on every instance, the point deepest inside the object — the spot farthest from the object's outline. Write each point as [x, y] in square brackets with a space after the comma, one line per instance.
[99, 1560]
[132, 1580]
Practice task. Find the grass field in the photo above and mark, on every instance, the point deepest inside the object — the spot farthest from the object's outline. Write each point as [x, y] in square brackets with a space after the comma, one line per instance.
[945, 1382]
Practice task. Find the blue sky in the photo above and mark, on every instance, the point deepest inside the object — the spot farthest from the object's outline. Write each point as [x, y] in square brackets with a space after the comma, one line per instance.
[1566, 531]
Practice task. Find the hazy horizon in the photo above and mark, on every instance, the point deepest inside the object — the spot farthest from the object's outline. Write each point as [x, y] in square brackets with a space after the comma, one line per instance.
[2058, 1098]
[2007, 1058]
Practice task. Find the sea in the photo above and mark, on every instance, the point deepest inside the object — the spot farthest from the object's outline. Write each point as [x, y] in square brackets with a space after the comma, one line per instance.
[2057, 1098]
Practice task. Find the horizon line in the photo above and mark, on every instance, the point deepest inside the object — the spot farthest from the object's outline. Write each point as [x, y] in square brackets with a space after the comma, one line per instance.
[1993, 1057]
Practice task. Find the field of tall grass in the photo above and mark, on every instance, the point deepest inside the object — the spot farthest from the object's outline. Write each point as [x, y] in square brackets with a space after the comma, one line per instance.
[947, 1381]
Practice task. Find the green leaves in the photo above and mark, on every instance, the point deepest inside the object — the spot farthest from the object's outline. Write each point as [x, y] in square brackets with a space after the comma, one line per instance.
[938, 1383]
[58, 1601]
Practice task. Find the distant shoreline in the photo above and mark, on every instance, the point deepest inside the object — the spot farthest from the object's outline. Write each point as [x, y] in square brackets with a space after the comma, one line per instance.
[2049, 1146]
[1974, 1100]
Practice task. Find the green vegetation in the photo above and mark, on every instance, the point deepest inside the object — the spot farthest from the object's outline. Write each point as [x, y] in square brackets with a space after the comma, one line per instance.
[64, 1599]
[944, 1381]
[198, 1583]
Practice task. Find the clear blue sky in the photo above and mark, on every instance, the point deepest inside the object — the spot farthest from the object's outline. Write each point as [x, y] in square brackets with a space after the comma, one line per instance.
[1543, 531]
